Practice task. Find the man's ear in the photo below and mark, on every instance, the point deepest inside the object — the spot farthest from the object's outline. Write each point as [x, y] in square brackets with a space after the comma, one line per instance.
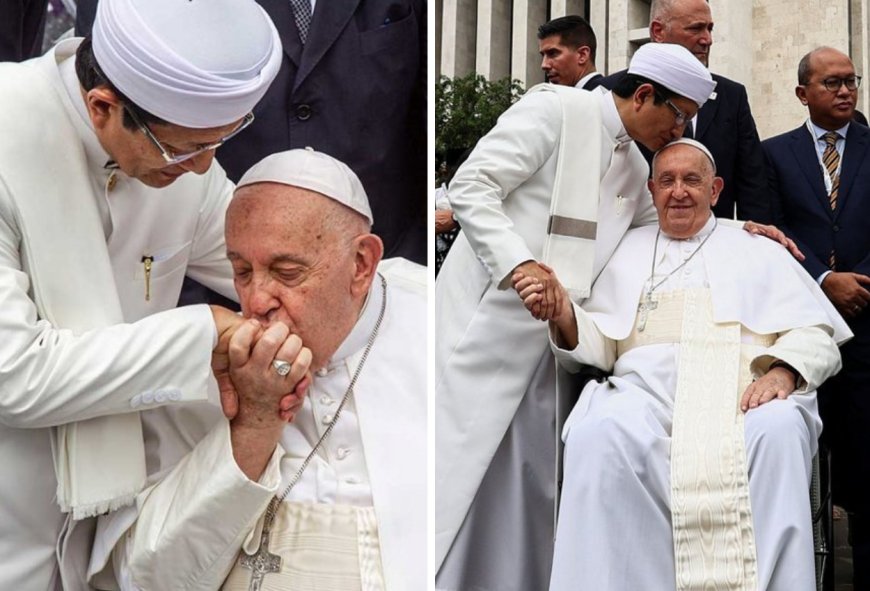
[643, 92]
[801, 93]
[368, 251]
[718, 184]
[583, 54]
[656, 31]
[101, 103]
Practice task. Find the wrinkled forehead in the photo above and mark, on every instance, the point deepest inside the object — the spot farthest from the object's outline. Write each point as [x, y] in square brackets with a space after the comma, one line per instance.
[682, 158]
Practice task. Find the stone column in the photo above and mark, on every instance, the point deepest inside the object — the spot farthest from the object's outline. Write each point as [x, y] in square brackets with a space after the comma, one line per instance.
[458, 36]
[493, 39]
[565, 7]
[525, 60]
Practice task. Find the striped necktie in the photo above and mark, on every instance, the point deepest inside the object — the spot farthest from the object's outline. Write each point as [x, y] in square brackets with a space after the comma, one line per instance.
[302, 16]
[831, 162]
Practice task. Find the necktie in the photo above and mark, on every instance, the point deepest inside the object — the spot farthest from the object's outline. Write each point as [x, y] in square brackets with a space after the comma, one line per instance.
[831, 161]
[689, 130]
[302, 16]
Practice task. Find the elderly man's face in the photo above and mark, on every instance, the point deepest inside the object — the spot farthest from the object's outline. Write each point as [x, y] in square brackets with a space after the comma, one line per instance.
[562, 64]
[690, 24]
[830, 110]
[684, 190]
[290, 266]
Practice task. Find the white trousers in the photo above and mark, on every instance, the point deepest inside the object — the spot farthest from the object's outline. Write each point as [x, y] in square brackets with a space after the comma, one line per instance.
[614, 531]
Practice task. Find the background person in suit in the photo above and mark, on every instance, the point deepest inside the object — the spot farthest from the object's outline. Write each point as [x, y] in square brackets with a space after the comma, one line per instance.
[725, 124]
[567, 46]
[819, 179]
[352, 85]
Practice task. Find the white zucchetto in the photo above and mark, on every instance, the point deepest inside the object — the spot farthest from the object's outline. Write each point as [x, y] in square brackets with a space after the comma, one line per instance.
[193, 63]
[315, 171]
[688, 142]
[675, 68]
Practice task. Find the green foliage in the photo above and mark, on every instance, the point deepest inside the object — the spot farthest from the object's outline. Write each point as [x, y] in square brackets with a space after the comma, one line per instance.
[467, 108]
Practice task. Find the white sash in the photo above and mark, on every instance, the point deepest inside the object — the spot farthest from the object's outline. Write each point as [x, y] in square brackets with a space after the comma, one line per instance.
[573, 224]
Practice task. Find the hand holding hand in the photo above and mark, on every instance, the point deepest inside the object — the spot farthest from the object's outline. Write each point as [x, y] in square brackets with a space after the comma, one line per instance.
[266, 398]
[227, 322]
[847, 292]
[547, 303]
[776, 235]
[778, 382]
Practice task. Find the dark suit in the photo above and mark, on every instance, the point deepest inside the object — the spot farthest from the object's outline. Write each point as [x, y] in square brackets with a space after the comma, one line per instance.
[802, 209]
[356, 91]
[725, 125]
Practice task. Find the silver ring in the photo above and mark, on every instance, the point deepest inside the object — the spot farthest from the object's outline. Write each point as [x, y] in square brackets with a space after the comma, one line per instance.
[282, 367]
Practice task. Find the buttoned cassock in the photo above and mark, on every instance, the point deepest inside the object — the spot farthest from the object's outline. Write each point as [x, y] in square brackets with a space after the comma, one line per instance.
[491, 355]
[53, 375]
[194, 519]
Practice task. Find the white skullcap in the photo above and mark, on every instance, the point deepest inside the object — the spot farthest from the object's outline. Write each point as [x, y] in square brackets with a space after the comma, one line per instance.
[193, 63]
[688, 142]
[314, 171]
[675, 68]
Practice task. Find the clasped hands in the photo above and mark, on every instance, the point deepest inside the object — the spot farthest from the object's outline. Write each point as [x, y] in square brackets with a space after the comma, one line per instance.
[252, 392]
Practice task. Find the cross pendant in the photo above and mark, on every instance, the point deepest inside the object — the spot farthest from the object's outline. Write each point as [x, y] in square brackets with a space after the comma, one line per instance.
[645, 306]
[263, 562]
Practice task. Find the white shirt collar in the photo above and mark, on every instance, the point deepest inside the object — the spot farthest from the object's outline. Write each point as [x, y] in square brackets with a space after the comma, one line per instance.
[610, 117]
[818, 132]
[582, 82]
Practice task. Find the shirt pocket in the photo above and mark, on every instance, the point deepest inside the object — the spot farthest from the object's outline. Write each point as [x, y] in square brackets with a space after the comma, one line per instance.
[165, 261]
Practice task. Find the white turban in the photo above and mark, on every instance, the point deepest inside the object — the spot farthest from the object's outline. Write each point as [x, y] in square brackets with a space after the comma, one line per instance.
[314, 171]
[675, 68]
[193, 63]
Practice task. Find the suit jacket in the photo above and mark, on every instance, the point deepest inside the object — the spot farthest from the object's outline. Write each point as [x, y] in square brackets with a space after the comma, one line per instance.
[802, 209]
[725, 125]
[356, 91]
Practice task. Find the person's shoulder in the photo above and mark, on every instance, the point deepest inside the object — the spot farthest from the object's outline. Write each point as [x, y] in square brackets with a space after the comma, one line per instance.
[745, 246]
[609, 81]
[780, 140]
[724, 84]
[405, 275]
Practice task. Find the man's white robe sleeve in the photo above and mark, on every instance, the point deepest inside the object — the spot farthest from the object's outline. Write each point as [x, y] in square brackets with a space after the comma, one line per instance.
[191, 523]
[593, 348]
[525, 137]
[810, 350]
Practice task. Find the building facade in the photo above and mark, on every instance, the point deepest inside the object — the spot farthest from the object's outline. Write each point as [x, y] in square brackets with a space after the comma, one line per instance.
[756, 42]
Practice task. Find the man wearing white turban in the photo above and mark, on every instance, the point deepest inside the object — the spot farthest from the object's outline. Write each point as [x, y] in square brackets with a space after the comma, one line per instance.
[554, 185]
[99, 223]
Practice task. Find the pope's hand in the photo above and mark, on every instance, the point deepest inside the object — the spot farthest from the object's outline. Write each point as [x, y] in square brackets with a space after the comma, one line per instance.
[267, 399]
[776, 235]
[778, 382]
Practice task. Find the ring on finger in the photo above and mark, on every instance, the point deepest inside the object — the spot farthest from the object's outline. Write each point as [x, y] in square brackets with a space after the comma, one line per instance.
[282, 368]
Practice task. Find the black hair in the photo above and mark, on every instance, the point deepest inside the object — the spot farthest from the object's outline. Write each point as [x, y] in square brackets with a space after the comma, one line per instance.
[631, 82]
[91, 76]
[573, 32]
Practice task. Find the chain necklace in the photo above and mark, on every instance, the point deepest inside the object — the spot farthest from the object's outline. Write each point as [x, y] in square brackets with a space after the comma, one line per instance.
[263, 562]
[646, 304]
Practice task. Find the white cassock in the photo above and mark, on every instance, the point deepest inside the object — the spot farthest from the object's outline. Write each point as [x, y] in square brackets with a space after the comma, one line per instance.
[491, 356]
[369, 475]
[615, 527]
[58, 208]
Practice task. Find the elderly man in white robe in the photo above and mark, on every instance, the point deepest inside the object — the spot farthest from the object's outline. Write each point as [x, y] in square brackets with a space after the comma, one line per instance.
[99, 223]
[555, 184]
[336, 499]
[689, 468]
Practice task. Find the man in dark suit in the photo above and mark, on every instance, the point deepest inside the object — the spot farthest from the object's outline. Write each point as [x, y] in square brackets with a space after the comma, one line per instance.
[819, 178]
[567, 46]
[724, 124]
[352, 85]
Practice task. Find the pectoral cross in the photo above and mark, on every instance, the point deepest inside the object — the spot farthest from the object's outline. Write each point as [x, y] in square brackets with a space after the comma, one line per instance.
[645, 306]
[263, 562]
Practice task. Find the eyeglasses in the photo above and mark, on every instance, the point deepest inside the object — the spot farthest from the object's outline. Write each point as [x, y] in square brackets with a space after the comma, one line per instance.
[170, 156]
[680, 118]
[834, 84]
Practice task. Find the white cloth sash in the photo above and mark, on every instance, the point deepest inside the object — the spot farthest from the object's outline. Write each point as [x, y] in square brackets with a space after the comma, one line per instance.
[321, 546]
[99, 463]
[573, 225]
